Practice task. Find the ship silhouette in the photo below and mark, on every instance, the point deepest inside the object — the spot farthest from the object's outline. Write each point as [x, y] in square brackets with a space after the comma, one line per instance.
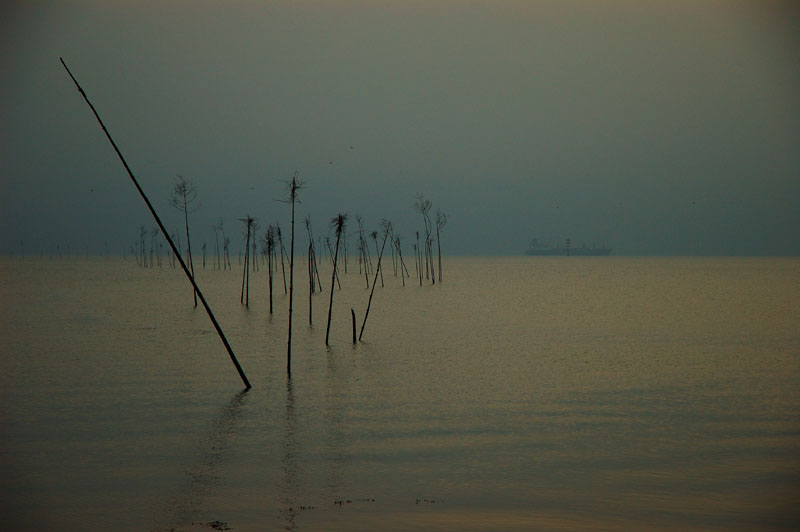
[539, 249]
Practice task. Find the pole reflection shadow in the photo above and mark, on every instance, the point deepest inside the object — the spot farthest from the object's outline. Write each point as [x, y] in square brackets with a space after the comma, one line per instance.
[290, 485]
[190, 504]
[326, 446]
[335, 452]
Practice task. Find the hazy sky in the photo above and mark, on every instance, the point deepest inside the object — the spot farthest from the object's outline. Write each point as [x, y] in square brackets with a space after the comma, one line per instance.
[656, 127]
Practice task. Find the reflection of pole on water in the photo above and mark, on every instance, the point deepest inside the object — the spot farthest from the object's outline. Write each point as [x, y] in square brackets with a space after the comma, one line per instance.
[335, 453]
[202, 475]
[289, 488]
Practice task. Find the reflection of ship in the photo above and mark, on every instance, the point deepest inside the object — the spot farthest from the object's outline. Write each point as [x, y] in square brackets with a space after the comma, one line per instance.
[539, 249]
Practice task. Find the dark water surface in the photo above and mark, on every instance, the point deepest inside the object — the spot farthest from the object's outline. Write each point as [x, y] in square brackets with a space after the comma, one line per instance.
[520, 394]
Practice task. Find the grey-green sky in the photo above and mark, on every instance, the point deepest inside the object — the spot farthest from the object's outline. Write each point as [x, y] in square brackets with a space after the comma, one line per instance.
[655, 127]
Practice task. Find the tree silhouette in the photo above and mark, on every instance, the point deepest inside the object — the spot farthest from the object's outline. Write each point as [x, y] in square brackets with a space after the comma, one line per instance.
[293, 187]
[269, 241]
[249, 221]
[374, 236]
[418, 261]
[313, 270]
[337, 224]
[400, 257]
[441, 221]
[423, 206]
[282, 249]
[387, 228]
[217, 228]
[182, 198]
[362, 248]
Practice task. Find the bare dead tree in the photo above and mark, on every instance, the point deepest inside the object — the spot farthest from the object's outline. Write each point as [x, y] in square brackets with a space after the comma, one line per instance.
[344, 241]
[226, 241]
[374, 236]
[363, 249]
[269, 240]
[360, 250]
[313, 270]
[423, 206]
[441, 221]
[248, 221]
[282, 250]
[337, 224]
[293, 187]
[226, 250]
[330, 257]
[253, 254]
[136, 249]
[217, 229]
[403, 268]
[394, 256]
[311, 283]
[387, 228]
[418, 257]
[429, 252]
[182, 198]
[142, 254]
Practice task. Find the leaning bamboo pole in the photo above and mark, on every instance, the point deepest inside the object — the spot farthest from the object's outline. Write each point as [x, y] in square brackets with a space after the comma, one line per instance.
[163, 231]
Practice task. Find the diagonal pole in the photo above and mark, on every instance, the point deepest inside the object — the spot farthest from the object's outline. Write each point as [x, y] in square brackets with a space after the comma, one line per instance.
[163, 231]
[387, 229]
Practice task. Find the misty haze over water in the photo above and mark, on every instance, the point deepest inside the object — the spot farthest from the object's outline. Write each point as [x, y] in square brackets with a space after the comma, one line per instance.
[654, 388]
[655, 128]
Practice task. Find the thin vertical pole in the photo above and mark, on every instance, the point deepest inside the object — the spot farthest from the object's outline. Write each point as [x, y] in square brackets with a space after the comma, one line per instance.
[291, 279]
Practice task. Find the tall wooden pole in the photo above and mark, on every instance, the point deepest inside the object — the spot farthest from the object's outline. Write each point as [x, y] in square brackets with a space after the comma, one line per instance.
[353, 314]
[338, 223]
[294, 185]
[387, 229]
[175, 251]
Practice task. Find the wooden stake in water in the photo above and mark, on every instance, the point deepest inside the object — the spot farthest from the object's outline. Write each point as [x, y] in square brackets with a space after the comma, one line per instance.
[387, 228]
[337, 223]
[353, 313]
[270, 241]
[294, 185]
[175, 251]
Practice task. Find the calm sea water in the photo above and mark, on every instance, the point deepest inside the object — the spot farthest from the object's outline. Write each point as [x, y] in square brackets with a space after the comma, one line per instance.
[519, 394]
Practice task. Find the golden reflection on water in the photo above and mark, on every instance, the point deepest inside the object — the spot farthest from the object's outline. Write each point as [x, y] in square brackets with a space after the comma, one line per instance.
[519, 394]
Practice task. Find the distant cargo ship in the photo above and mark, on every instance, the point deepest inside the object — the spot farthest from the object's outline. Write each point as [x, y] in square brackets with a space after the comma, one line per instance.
[537, 249]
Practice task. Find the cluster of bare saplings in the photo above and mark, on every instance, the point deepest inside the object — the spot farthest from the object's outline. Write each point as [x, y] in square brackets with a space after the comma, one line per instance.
[184, 197]
[268, 249]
